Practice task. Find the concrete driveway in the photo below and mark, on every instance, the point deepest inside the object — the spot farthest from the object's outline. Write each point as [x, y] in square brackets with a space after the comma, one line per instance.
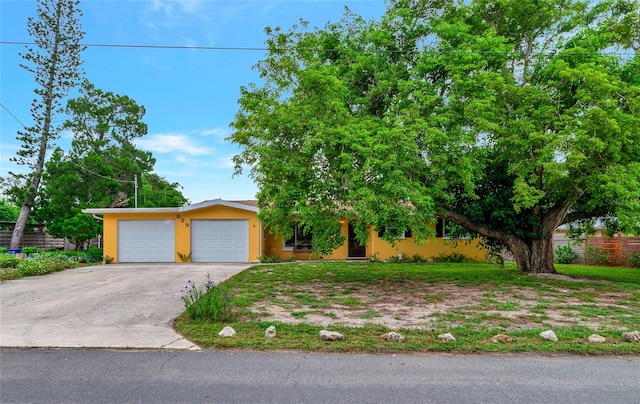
[115, 306]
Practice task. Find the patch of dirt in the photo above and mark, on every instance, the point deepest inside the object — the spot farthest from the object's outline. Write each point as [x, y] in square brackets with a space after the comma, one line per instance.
[426, 306]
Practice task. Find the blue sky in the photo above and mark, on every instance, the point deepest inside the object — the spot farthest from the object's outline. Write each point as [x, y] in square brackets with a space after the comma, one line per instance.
[190, 95]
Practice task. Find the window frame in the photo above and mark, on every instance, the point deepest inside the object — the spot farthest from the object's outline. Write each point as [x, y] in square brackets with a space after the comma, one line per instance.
[405, 234]
[295, 237]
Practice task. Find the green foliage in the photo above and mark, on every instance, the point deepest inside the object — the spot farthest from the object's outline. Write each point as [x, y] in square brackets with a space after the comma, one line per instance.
[99, 170]
[184, 257]
[8, 260]
[56, 63]
[596, 256]
[93, 254]
[564, 255]
[267, 259]
[156, 191]
[501, 118]
[31, 250]
[42, 265]
[8, 212]
[634, 260]
[453, 257]
[403, 258]
[210, 302]
[4, 250]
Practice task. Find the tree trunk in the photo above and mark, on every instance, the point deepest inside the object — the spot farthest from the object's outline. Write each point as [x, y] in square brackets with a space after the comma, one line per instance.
[18, 230]
[534, 256]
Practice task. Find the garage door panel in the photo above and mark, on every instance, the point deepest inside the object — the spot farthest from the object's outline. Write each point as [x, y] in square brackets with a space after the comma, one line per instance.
[146, 241]
[219, 240]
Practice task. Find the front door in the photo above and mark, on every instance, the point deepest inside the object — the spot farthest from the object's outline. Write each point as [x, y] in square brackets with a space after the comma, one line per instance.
[355, 249]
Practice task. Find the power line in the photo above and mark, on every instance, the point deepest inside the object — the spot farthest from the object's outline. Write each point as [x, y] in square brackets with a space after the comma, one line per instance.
[253, 49]
[99, 175]
[13, 116]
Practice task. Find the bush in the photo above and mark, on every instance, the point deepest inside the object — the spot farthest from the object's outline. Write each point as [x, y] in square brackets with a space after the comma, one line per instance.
[41, 265]
[31, 250]
[634, 260]
[93, 254]
[8, 260]
[564, 255]
[597, 256]
[452, 257]
[267, 259]
[211, 303]
[4, 250]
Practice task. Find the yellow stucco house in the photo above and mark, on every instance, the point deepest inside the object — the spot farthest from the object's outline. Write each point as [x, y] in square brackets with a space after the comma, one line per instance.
[230, 231]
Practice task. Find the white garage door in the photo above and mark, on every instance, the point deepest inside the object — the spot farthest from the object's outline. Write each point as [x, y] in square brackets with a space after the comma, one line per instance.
[219, 241]
[146, 241]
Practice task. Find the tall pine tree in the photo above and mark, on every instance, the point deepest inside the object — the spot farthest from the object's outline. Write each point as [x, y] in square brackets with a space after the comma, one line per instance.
[56, 64]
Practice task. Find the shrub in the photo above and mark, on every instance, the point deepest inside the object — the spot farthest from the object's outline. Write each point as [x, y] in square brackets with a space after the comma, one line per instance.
[8, 260]
[41, 265]
[4, 250]
[634, 260]
[211, 303]
[93, 254]
[373, 257]
[451, 257]
[419, 258]
[267, 259]
[72, 255]
[597, 256]
[184, 257]
[31, 250]
[564, 255]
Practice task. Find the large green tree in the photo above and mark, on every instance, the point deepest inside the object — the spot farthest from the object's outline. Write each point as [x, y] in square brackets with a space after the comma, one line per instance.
[55, 62]
[100, 169]
[506, 118]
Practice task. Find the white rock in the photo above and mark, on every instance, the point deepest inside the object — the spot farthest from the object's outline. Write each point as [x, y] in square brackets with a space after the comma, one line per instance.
[446, 337]
[393, 337]
[270, 332]
[330, 335]
[227, 332]
[596, 338]
[631, 336]
[549, 336]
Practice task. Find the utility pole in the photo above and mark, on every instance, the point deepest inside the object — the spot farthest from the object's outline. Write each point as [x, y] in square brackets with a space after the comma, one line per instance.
[135, 192]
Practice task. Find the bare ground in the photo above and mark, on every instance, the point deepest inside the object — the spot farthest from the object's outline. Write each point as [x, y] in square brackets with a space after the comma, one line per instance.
[427, 306]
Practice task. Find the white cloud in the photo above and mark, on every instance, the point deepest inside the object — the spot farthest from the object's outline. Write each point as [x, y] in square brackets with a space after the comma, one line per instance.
[219, 132]
[226, 161]
[173, 142]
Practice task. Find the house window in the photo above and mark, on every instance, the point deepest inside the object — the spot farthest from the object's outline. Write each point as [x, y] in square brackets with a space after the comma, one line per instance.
[300, 240]
[443, 228]
[393, 232]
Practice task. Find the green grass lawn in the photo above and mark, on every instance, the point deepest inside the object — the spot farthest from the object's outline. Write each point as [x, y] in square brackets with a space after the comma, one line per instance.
[473, 302]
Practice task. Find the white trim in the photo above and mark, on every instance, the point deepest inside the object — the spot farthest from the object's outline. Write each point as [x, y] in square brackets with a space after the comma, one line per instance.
[195, 206]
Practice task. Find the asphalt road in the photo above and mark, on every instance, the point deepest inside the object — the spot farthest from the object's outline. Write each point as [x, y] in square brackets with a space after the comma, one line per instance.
[181, 376]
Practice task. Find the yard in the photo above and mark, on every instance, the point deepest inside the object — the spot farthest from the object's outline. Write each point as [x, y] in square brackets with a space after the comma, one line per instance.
[473, 302]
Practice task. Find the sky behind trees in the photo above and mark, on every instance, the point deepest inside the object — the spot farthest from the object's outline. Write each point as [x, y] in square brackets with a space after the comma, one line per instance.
[190, 94]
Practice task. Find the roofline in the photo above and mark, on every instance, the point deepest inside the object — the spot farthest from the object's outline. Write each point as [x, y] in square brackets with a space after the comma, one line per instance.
[195, 206]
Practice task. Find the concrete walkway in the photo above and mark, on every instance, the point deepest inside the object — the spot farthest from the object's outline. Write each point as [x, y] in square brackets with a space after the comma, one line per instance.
[107, 306]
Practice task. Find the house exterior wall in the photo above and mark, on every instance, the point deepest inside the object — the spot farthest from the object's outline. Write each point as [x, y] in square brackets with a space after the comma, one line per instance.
[182, 228]
[273, 246]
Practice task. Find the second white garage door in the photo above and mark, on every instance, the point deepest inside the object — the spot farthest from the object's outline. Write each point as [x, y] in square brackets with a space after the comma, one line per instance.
[219, 241]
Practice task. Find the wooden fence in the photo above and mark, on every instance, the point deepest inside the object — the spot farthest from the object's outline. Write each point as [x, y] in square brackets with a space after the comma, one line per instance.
[619, 248]
[38, 237]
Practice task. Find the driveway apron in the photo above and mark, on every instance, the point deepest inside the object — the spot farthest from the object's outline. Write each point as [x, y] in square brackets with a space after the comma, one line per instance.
[107, 306]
